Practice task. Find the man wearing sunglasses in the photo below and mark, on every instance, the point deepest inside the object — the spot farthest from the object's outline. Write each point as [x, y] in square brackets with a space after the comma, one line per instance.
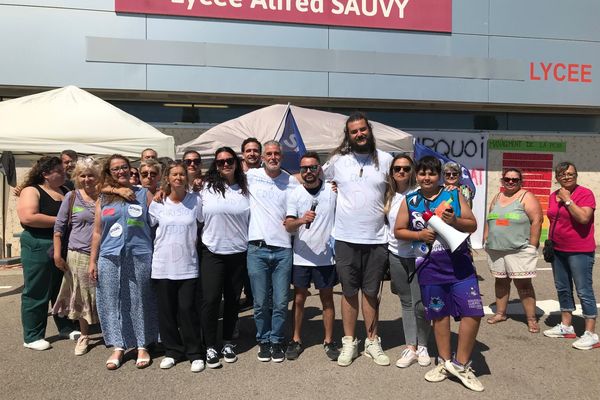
[360, 172]
[269, 251]
[192, 161]
[311, 213]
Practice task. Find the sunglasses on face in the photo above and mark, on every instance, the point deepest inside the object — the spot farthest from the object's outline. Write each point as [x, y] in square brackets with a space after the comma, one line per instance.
[195, 161]
[149, 174]
[361, 129]
[123, 167]
[225, 161]
[511, 180]
[135, 174]
[311, 168]
[398, 168]
[451, 174]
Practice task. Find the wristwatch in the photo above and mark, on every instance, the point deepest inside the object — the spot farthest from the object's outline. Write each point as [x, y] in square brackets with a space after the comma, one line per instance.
[568, 203]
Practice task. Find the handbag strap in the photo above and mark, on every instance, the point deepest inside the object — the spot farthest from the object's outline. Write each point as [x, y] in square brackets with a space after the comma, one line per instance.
[71, 203]
[554, 222]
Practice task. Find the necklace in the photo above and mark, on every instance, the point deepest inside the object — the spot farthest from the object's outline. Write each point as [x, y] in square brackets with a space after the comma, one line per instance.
[360, 173]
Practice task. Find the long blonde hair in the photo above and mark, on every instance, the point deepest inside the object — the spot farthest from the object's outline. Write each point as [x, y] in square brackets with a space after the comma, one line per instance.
[392, 187]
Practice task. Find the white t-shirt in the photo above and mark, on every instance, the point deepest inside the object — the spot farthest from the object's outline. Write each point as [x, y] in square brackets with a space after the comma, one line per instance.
[175, 255]
[314, 246]
[359, 216]
[401, 248]
[268, 204]
[225, 220]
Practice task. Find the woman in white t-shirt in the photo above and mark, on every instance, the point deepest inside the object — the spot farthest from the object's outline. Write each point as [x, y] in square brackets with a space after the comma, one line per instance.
[402, 264]
[175, 269]
[226, 214]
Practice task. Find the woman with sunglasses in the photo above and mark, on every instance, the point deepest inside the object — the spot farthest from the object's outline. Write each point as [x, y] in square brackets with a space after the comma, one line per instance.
[226, 214]
[175, 269]
[121, 260]
[401, 181]
[193, 162]
[571, 213]
[452, 173]
[512, 237]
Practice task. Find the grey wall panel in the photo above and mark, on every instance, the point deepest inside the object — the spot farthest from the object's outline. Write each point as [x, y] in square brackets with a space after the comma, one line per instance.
[105, 5]
[50, 47]
[236, 32]
[470, 16]
[407, 88]
[236, 81]
[558, 19]
[408, 42]
[548, 91]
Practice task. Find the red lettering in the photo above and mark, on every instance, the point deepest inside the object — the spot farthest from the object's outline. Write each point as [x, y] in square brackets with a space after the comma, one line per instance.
[532, 75]
[546, 70]
[562, 77]
[586, 70]
[573, 73]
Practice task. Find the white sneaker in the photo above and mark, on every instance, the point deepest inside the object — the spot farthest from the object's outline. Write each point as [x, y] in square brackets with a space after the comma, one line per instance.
[407, 358]
[561, 331]
[423, 356]
[167, 362]
[587, 341]
[38, 345]
[466, 375]
[373, 350]
[438, 373]
[73, 335]
[349, 351]
[197, 366]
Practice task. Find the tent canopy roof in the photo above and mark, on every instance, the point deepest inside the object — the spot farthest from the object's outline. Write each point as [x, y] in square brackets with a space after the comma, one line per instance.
[71, 118]
[321, 131]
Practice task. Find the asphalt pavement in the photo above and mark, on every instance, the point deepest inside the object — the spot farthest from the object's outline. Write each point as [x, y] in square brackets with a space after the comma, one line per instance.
[510, 362]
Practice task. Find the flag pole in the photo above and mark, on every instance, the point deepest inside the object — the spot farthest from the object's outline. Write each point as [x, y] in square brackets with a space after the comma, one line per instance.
[287, 109]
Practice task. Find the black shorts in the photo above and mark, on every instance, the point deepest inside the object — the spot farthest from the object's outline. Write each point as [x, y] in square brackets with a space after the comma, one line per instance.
[360, 266]
[323, 277]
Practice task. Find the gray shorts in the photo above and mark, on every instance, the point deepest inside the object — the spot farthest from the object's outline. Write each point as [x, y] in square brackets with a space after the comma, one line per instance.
[360, 266]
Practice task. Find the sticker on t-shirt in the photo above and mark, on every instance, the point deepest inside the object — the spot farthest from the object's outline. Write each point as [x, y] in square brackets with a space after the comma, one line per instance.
[116, 230]
[502, 222]
[77, 209]
[108, 212]
[135, 222]
[135, 210]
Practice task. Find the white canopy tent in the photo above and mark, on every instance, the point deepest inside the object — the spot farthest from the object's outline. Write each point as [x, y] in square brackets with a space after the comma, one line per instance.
[71, 118]
[321, 131]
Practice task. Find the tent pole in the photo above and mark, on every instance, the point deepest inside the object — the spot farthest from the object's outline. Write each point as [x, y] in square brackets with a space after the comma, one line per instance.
[282, 119]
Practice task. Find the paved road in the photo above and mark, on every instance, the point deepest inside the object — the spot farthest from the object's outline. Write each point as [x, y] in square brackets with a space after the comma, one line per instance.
[511, 363]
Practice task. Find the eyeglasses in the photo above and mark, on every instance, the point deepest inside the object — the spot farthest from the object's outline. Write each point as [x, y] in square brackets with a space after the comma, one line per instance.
[150, 174]
[190, 161]
[567, 175]
[361, 129]
[451, 174]
[398, 168]
[136, 174]
[511, 180]
[225, 161]
[311, 168]
[123, 167]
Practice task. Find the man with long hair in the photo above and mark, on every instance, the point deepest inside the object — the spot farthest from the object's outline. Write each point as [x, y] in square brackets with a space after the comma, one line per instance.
[360, 171]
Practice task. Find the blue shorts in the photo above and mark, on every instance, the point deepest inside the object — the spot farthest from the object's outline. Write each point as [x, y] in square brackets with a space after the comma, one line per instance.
[458, 299]
[323, 277]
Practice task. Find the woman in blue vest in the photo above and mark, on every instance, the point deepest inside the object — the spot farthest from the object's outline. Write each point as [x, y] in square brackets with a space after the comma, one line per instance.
[121, 260]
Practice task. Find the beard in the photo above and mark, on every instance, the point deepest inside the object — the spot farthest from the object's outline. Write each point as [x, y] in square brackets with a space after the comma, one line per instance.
[367, 147]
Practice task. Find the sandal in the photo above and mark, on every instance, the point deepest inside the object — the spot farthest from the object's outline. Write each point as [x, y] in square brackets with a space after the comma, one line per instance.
[115, 363]
[498, 317]
[142, 362]
[532, 325]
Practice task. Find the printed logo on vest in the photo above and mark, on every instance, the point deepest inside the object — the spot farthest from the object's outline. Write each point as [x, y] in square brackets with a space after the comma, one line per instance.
[135, 210]
[116, 230]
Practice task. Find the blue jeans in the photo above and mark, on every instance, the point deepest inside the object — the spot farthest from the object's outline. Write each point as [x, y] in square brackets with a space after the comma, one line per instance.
[569, 268]
[270, 271]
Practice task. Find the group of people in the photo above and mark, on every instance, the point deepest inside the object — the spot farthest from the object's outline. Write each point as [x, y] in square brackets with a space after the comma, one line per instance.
[152, 256]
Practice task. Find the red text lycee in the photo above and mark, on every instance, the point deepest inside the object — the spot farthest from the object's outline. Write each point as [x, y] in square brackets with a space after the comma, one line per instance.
[560, 72]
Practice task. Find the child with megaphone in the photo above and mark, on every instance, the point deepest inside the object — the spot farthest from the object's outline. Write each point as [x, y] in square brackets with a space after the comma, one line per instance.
[435, 220]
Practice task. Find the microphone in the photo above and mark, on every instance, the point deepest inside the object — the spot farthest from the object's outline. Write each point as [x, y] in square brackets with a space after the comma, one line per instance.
[313, 207]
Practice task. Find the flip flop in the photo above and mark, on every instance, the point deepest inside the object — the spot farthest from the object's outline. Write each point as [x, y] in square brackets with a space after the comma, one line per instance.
[142, 362]
[532, 325]
[494, 319]
[114, 363]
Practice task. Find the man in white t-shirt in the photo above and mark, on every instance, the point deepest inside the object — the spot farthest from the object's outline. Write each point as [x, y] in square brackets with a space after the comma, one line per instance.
[360, 172]
[311, 213]
[269, 251]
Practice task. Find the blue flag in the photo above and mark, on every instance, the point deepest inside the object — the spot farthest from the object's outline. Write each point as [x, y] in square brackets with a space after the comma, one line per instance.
[292, 145]
[465, 176]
